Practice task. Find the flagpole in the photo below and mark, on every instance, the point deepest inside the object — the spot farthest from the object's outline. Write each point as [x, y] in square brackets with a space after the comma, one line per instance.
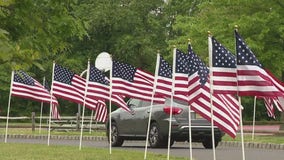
[240, 109]
[242, 131]
[189, 126]
[211, 92]
[9, 103]
[172, 99]
[253, 121]
[50, 104]
[84, 103]
[151, 106]
[110, 96]
[41, 107]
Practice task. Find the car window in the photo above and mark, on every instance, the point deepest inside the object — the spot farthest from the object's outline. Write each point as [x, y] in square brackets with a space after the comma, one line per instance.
[134, 103]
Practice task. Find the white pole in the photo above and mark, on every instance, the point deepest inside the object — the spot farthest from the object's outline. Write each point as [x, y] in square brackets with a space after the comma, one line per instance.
[84, 103]
[9, 103]
[151, 106]
[172, 99]
[189, 132]
[242, 131]
[189, 127]
[91, 122]
[41, 107]
[240, 109]
[50, 104]
[211, 92]
[110, 93]
[253, 121]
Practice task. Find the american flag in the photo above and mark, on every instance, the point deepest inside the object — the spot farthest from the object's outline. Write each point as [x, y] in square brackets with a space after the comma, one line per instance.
[25, 86]
[224, 69]
[164, 78]
[225, 107]
[54, 108]
[253, 80]
[69, 86]
[98, 88]
[268, 102]
[278, 101]
[132, 82]
[181, 73]
[101, 112]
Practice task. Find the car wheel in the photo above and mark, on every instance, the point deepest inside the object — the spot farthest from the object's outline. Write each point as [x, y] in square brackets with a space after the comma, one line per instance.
[116, 140]
[155, 139]
[207, 143]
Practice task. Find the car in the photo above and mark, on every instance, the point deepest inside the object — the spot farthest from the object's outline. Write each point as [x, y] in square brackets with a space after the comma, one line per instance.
[134, 125]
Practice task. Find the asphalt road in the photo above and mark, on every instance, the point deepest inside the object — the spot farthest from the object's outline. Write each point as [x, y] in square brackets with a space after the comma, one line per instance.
[178, 149]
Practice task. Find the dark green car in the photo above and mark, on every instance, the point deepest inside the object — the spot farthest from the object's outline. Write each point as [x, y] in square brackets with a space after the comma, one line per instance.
[133, 126]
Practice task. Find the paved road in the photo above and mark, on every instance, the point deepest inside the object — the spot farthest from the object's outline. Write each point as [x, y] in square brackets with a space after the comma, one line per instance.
[179, 149]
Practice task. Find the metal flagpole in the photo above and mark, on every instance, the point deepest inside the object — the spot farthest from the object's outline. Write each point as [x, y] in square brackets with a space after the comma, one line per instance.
[189, 132]
[189, 127]
[91, 122]
[41, 107]
[50, 104]
[172, 99]
[253, 121]
[84, 103]
[240, 109]
[110, 95]
[211, 92]
[151, 106]
[242, 130]
[9, 103]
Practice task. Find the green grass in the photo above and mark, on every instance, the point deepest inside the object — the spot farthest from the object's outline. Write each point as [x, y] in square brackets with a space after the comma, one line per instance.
[11, 151]
[257, 138]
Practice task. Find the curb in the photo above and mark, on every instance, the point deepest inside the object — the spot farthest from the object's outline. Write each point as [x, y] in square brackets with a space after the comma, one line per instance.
[103, 138]
[252, 145]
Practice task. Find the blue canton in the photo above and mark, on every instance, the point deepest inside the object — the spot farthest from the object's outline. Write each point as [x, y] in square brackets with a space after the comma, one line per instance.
[62, 74]
[182, 62]
[124, 71]
[221, 56]
[165, 69]
[244, 55]
[97, 76]
[22, 77]
[197, 65]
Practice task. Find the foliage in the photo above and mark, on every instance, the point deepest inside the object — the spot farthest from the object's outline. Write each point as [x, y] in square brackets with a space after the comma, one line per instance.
[33, 33]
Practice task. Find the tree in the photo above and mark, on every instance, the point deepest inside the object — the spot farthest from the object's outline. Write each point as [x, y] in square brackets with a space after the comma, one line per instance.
[260, 24]
[33, 33]
[130, 30]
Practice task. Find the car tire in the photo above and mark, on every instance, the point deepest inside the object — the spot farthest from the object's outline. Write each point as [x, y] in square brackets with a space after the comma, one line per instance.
[165, 143]
[116, 140]
[155, 138]
[207, 143]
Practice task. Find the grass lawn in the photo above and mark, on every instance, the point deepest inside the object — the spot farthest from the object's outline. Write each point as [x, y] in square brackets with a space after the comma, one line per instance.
[257, 138]
[11, 151]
